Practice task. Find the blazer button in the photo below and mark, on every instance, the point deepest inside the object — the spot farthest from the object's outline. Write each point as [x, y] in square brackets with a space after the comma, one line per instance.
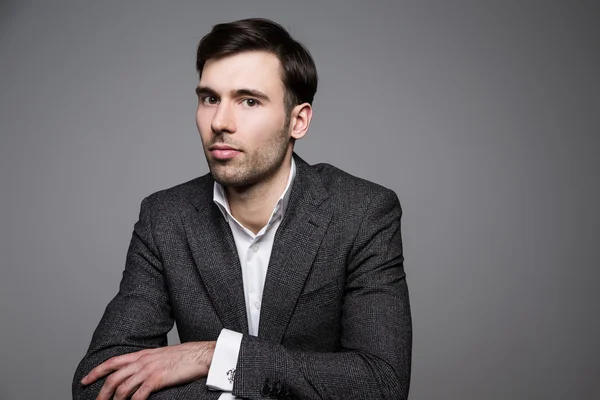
[288, 395]
[266, 390]
[276, 391]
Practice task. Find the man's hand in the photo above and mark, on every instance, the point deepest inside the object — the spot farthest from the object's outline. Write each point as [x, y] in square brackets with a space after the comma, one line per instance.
[143, 372]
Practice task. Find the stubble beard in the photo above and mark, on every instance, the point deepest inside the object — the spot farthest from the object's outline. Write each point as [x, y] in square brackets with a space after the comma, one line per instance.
[248, 169]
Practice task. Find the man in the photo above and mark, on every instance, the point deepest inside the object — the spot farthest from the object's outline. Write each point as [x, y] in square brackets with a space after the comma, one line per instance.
[286, 280]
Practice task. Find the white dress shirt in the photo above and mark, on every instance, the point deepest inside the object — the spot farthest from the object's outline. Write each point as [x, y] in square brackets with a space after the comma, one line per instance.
[254, 252]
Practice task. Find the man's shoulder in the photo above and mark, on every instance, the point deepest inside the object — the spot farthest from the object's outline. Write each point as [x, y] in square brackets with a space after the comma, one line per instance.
[352, 198]
[347, 187]
[183, 193]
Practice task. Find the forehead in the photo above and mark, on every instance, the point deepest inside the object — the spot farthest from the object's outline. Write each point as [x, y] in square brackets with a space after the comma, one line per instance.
[248, 70]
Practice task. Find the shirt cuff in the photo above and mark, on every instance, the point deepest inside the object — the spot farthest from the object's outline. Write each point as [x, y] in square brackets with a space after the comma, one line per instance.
[222, 369]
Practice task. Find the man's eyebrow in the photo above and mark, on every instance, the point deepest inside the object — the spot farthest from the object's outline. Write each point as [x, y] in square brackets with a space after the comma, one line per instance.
[250, 92]
[205, 90]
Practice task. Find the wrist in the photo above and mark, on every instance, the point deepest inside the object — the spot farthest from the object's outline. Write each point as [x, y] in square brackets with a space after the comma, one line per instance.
[207, 351]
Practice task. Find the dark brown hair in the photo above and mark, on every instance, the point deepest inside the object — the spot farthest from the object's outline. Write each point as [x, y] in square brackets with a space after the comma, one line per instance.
[299, 74]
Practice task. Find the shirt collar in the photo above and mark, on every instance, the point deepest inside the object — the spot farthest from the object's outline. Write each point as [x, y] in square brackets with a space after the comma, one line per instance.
[220, 198]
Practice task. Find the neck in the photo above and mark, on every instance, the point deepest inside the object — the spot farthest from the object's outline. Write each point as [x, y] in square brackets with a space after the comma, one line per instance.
[253, 205]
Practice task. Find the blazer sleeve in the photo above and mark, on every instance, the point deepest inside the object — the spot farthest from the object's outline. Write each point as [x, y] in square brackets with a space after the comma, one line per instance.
[139, 317]
[375, 358]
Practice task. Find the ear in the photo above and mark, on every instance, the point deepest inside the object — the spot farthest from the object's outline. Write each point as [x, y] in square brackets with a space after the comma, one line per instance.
[301, 117]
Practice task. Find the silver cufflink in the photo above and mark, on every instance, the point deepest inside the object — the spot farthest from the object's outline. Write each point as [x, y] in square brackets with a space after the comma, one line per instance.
[231, 375]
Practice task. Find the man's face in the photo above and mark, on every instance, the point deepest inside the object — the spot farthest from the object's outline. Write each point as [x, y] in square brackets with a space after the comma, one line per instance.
[241, 118]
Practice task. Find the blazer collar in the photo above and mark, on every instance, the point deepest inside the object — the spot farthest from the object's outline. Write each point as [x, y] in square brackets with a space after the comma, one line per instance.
[294, 249]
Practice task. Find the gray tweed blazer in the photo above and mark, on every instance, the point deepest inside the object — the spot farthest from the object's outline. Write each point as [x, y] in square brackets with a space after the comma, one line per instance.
[335, 321]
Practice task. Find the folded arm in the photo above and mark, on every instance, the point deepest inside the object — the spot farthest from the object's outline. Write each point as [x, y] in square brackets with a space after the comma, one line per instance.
[138, 318]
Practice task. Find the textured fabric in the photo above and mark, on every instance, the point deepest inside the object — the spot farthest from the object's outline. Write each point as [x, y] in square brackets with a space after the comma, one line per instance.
[335, 318]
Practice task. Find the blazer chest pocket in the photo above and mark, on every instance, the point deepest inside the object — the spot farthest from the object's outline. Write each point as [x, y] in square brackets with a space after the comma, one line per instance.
[319, 297]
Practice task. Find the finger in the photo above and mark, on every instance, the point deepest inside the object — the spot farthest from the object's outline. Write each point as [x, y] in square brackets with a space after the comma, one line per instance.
[111, 365]
[131, 384]
[144, 391]
[152, 382]
[116, 379]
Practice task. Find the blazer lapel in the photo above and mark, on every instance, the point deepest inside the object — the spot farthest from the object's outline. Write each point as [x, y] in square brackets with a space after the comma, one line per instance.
[296, 243]
[213, 248]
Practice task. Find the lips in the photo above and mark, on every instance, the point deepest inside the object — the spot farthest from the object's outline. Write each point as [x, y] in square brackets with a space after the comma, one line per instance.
[223, 152]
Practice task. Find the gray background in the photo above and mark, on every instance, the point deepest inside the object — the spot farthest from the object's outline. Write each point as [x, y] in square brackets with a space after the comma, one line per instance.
[482, 116]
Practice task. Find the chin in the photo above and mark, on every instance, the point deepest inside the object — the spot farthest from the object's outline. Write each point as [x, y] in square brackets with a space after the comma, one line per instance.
[235, 180]
[226, 176]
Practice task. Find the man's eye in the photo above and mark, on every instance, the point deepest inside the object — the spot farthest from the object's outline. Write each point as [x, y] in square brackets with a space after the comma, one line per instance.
[209, 100]
[250, 102]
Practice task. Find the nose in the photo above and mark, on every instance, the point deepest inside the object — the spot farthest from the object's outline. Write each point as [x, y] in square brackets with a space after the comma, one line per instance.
[223, 119]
